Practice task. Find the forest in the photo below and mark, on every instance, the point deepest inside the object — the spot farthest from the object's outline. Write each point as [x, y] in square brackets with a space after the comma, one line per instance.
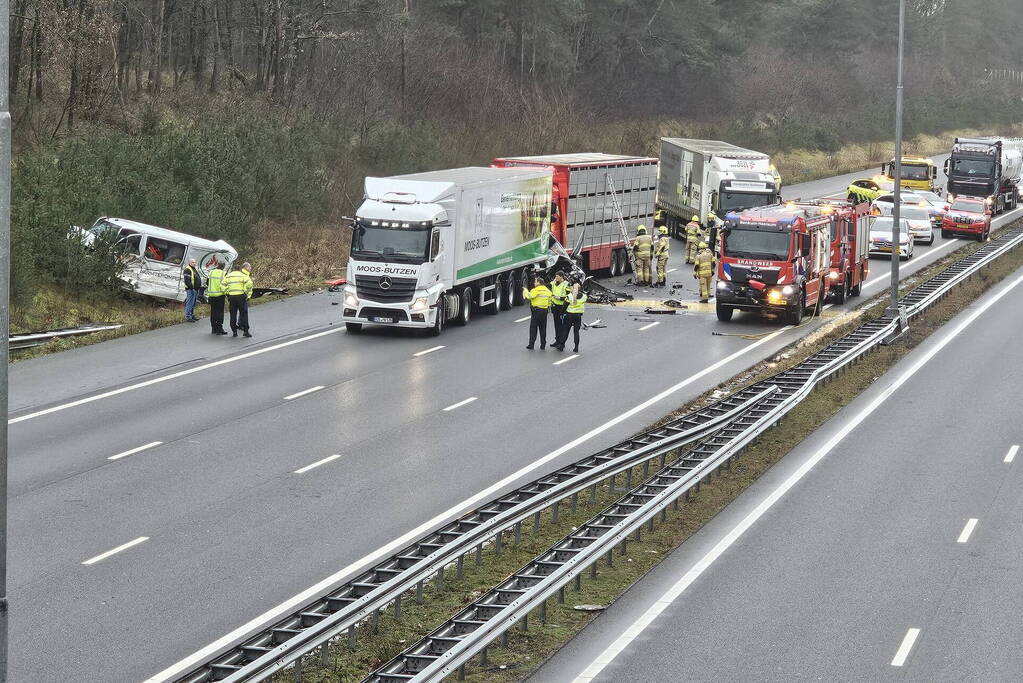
[256, 120]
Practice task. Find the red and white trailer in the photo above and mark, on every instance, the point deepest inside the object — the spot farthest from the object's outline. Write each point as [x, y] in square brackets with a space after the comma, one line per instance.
[582, 207]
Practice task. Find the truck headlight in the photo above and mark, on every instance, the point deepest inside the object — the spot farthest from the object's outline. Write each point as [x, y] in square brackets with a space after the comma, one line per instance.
[776, 296]
[722, 285]
[787, 290]
[351, 301]
[421, 304]
[833, 275]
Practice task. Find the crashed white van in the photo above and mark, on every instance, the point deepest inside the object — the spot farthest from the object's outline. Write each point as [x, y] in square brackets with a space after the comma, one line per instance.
[154, 257]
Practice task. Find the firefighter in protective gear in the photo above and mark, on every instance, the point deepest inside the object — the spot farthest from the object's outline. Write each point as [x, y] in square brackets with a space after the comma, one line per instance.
[539, 298]
[659, 218]
[661, 253]
[692, 238]
[642, 251]
[704, 270]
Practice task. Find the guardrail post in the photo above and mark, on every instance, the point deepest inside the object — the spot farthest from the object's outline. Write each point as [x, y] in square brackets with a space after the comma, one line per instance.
[351, 637]
[499, 542]
[397, 607]
[461, 567]
[525, 622]
[543, 612]
[575, 502]
[479, 554]
[484, 662]
[554, 512]
[419, 592]
[461, 673]
[440, 579]
[325, 654]
[536, 522]
[646, 469]
[297, 670]
[518, 533]
[610, 557]
[376, 621]
[561, 593]
[593, 493]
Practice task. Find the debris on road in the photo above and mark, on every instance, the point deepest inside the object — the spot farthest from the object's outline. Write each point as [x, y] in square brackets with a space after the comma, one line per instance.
[590, 608]
[675, 303]
[262, 291]
[597, 293]
[660, 311]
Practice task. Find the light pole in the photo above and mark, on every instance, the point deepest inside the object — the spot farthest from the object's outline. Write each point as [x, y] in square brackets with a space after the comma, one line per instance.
[5, 299]
[893, 308]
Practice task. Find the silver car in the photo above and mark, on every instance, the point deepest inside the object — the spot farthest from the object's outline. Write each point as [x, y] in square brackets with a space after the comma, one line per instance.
[881, 238]
[921, 227]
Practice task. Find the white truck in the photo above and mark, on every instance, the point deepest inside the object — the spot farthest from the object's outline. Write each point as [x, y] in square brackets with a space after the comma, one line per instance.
[436, 246]
[696, 177]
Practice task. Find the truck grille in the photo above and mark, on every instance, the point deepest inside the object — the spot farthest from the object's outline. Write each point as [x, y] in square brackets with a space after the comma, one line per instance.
[394, 290]
[743, 274]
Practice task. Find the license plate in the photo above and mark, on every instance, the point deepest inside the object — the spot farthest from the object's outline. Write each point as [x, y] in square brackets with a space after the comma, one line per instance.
[382, 319]
[965, 226]
[884, 248]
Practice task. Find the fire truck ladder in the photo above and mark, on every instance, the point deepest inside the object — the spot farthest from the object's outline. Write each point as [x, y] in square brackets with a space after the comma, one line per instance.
[621, 220]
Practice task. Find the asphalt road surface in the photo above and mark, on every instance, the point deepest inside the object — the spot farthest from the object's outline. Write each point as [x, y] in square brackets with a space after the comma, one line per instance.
[171, 490]
[884, 548]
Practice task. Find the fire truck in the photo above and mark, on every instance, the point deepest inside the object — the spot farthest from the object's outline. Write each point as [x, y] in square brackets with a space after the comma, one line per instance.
[850, 245]
[775, 260]
[583, 218]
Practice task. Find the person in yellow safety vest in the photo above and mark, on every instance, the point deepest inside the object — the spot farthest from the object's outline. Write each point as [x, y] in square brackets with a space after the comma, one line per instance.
[215, 295]
[713, 231]
[539, 303]
[238, 289]
[704, 270]
[642, 251]
[573, 316]
[659, 218]
[661, 253]
[692, 238]
[559, 300]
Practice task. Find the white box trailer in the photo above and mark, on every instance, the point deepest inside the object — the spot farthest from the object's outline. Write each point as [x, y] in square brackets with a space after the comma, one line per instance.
[436, 246]
[700, 176]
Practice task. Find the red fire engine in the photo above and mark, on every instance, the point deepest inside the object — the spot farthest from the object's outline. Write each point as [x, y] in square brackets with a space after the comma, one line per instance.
[776, 260]
[850, 245]
[582, 213]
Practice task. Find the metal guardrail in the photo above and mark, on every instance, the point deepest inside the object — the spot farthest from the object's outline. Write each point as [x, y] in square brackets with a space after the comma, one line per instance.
[327, 618]
[471, 631]
[30, 339]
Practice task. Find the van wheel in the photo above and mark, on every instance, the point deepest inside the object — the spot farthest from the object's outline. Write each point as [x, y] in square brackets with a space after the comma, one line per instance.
[464, 306]
[507, 298]
[353, 328]
[724, 313]
[493, 308]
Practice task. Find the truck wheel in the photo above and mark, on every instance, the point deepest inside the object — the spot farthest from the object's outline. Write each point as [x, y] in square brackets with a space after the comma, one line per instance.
[839, 295]
[464, 306]
[493, 308]
[796, 316]
[945, 234]
[613, 266]
[438, 324]
[508, 294]
[353, 328]
[626, 263]
[517, 283]
[724, 312]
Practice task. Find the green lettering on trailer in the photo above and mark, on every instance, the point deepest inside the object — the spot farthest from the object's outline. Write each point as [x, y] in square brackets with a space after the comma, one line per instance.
[530, 251]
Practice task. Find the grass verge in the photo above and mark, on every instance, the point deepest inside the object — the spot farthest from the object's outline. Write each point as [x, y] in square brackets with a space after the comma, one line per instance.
[527, 649]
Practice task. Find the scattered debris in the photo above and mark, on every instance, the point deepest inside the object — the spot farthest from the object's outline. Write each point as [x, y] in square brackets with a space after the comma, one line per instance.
[597, 293]
[675, 303]
[642, 319]
[590, 608]
[598, 323]
[262, 291]
[660, 311]
[717, 394]
[336, 284]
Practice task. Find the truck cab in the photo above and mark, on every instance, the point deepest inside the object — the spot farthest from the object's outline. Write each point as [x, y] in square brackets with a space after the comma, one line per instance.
[774, 260]
[988, 168]
[918, 173]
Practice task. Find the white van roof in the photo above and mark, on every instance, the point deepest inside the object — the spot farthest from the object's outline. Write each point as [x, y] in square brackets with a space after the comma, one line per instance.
[173, 235]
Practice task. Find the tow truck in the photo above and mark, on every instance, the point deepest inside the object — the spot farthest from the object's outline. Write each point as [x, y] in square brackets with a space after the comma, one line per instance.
[775, 260]
[918, 173]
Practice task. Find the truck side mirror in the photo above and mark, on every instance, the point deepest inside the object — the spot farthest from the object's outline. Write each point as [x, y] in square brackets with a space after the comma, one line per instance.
[804, 245]
[934, 172]
[948, 162]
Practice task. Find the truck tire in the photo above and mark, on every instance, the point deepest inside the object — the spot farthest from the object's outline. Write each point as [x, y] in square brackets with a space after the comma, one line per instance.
[438, 324]
[724, 312]
[353, 328]
[517, 283]
[495, 307]
[464, 306]
[508, 294]
[796, 315]
[838, 296]
[613, 266]
[945, 234]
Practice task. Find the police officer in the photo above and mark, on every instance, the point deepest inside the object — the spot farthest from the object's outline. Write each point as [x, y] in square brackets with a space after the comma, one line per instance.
[661, 252]
[704, 270]
[193, 287]
[573, 316]
[215, 295]
[559, 300]
[692, 238]
[539, 302]
[642, 250]
[238, 288]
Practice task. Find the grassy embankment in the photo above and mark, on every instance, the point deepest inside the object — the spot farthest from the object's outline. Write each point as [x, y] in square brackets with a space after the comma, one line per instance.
[528, 649]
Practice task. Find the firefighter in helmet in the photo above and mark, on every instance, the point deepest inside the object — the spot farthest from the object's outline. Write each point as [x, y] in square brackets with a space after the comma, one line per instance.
[661, 253]
[642, 251]
[692, 238]
[704, 270]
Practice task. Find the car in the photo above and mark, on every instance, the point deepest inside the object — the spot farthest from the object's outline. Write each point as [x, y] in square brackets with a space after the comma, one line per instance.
[868, 189]
[881, 237]
[917, 217]
[905, 197]
[935, 206]
[967, 216]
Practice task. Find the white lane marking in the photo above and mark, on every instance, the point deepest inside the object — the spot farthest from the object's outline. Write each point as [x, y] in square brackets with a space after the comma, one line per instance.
[672, 270]
[954, 242]
[827, 306]
[303, 393]
[522, 320]
[669, 596]
[905, 647]
[303, 470]
[166, 378]
[423, 353]
[412, 534]
[565, 360]
[460, 403]
[1011, 455]
[129, 544]
[648, 326]
[133, 451]
[964, 535]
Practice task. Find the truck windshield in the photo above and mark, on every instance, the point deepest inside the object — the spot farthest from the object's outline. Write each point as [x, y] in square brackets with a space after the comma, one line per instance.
[916, 173]
[762, 244]
[390, 242]
[973, 167]
[734, 201]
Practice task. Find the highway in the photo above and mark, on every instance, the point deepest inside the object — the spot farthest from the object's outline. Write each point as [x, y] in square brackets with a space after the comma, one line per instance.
[171, 490]
[884, 547]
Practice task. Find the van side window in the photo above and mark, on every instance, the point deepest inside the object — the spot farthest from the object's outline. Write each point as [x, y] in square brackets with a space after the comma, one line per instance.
[129, 244]
[164, 250]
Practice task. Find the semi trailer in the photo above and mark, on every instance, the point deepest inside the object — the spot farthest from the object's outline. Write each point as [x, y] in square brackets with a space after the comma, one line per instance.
[697, 177]
[429, 248]
[583, 217]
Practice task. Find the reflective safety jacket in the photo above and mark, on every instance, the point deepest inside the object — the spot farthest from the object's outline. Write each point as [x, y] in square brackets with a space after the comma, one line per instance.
[704, 264]
[576, 304]
[193, 280]
[643, 247]
[213, 283]
[539, 297]
[663, 246]
[559, 292]
[692, 232]
[238, 282]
